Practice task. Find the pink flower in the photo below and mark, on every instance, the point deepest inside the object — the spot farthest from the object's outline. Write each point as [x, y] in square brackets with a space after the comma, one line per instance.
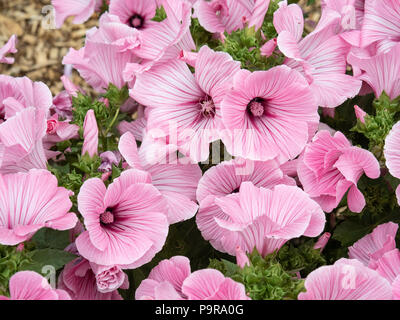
[322, 241]
[86, 281]
[267, 114]
[108, 159]
[100, 64]
[126, 223]
[225, 179]
[331, 166]
[392, 151]
[175, 97]
[109, 278]
[360, 113]
[381, 23]
[396, 288]
[241, 258]
[176, 181]
[29, 285]
[371, 68]
[163, 41]
[62, 105]
[222, 15]
[262, 218]
[218, 16]
[320, 57]
[351, 12]
[81, 9]
[90, 134]
[136, 14]
[346, 280]
[9, 47]
[58, 131]
[21, 141]
[17, 94]
[172, 280]
[268, 48]
[388, 265]
[372, 246]
[31, 201]
[165, 280]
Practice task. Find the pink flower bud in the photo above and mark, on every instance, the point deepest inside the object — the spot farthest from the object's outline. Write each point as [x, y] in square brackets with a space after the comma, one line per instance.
[70, 87]
[360, 113]
[241, 258]
[20, 247]
[8, 48]
[268, 48]
[90, 134]
[52, 125]
[188, 57]
[322, 241]
[328, 112]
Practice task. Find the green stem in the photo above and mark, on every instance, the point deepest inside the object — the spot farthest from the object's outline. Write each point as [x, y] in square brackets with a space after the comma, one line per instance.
[112, 122]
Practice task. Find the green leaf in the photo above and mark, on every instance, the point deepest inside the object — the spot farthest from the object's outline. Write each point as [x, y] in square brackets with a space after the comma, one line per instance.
[49, 238]
[44, 257]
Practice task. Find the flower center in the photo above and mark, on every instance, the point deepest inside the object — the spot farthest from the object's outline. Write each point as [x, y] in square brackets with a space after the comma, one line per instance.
[256, 107]
[107, 217]
[136, 21]
[207, 107]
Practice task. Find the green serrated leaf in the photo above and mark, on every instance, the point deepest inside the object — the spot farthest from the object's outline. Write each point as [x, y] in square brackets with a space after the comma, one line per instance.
[47, 257]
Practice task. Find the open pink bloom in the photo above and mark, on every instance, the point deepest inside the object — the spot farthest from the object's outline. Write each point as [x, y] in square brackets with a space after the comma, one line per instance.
[17, 94]
[62, 105]
[331, 166]
[218, 16]
[9, 47]
[372, 246]
[126, 223]
[100, 64]
[267, 114]
[346, 280]
[210, 284]
[262, 218]
[388, 265]
[90, 134]
[21, 141]
[165, 280]
[176, 181]
[136, 14]
[191, 102]
[172, 280]
[351, 12]
[320, 57]
[31, 201]
[163, 41]
[381, 23]
[83, 282]
[396, 288]
[81, 9]
[225, 179]
[29, 285]
[387, 63]
[392, 154]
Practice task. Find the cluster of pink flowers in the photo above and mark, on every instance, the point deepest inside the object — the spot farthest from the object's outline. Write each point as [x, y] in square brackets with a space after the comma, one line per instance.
[289, 169]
